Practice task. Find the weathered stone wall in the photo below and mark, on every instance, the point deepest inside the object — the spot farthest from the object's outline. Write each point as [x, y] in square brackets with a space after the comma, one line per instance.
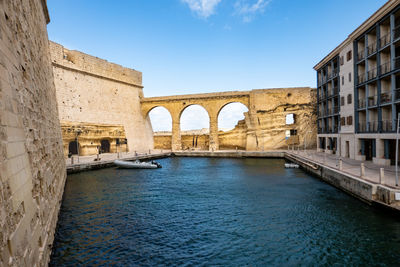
[264, 126]
[94, 91]
[32, 167]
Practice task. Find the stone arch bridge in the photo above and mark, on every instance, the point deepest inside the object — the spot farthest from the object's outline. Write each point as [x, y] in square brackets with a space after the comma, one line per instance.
[211, 102]
[266, 121]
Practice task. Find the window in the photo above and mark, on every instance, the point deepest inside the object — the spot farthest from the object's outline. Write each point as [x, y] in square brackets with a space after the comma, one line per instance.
[293, 132]
[341, 60]
[342, 80]
[350, 120]
[349, 99]
[349, 76]
[349, 55]
[342, 101]
[290, 119]
[342, 121]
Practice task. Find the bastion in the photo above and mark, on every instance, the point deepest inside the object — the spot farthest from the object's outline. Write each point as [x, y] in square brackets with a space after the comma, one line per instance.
[32, 166]
[99, 103]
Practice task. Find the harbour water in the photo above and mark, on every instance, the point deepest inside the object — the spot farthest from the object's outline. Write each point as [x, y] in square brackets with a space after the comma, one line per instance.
[207, 211]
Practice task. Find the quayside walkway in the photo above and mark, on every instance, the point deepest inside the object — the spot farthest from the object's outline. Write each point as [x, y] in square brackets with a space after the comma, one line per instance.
[377, 174]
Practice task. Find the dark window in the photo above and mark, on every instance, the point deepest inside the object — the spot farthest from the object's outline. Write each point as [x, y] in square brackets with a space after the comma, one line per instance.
[349, 99]
[349, 76]
[341, 60]
[349, 55]
[342, 101]
[342, 80]
[350, 120]
[342, 121]
[293, 132]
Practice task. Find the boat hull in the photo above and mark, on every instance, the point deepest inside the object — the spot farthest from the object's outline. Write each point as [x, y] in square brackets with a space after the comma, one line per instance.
[133, 165]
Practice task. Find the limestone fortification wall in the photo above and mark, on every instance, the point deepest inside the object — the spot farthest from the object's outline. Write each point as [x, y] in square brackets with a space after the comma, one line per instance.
[94, 91]
[32, 167]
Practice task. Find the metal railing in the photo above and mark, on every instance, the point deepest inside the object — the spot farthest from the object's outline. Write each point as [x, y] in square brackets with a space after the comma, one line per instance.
[360, 55]
[372, 73]
[396, 32]
[372, 126]
[397, 93]
[386, 125]
[361, 78]
[385, 40]
[361, 103]
[362, 127]
[371, 48]
[372, 100]
[335, 72]
[386, 97]
[385, 67]
[396, 64]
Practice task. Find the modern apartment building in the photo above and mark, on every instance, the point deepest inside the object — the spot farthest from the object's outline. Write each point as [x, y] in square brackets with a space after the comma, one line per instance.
[359, 90]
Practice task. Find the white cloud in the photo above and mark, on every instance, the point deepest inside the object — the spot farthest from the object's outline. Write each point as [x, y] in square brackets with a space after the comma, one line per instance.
[160, 119]
[204, 8]
[194, 117]
[230, 115]
[249, 8]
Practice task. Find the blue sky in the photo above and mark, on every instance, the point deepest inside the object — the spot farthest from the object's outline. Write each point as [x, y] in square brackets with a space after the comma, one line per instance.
[192, 46]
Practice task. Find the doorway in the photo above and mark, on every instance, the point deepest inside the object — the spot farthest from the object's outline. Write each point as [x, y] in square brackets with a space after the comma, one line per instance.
[105, 146]
[73, 148]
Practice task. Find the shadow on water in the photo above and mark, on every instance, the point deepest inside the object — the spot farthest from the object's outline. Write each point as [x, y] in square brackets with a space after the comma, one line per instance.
[208, 211]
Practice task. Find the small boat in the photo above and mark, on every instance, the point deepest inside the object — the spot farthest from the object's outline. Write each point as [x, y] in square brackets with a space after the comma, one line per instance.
[291, 166]
[137, 164]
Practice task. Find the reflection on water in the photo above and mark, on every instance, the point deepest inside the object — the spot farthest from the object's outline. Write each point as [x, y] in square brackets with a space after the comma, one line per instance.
[203, 211]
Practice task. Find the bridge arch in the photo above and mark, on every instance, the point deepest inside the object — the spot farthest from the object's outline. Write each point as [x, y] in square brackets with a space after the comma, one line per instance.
[194, 122]
[161, 123]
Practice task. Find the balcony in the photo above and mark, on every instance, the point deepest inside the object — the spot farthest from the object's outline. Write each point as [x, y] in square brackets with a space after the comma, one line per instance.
[371, 74]
[396, 64]
[361, 78]
[360, 55]
[385, 40]
[386, 97]
[361, 103]
[335, 72]
[372, 101]
[372, 126]
[362, 127]
[397, 94]
[386, 125]
[385, 68]
[396, 32]
[371, 48]
[335, 90]
[336, 110]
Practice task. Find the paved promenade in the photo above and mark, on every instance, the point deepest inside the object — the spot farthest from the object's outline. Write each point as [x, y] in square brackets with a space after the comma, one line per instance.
[352, 167]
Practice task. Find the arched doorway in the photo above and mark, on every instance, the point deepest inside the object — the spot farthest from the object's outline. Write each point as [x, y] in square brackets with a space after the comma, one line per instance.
[194, 125]
[232, 128]
[73, 148]
[161, 123]
[105, 146]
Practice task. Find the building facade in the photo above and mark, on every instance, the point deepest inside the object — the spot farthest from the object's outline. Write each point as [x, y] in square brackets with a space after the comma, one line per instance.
[359, 121]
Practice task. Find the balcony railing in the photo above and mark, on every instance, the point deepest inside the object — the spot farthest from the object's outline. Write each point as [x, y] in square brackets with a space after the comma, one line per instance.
[371, 48]
[385, 40]
[386, 125]
[361, 55]
[372, 126]
[372, 101]
[372, 73]
[396, 32]
[335, 73]
[397, 94]
[362, 127]
[361, 103]
[361, 78]
[386, 97]
[385, 67]
[396, 64]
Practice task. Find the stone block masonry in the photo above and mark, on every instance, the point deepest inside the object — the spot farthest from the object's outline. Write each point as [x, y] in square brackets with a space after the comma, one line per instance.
[93, 91]
[32, 167]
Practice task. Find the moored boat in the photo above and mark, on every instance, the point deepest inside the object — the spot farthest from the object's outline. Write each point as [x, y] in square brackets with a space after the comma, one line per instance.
[137, 164]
